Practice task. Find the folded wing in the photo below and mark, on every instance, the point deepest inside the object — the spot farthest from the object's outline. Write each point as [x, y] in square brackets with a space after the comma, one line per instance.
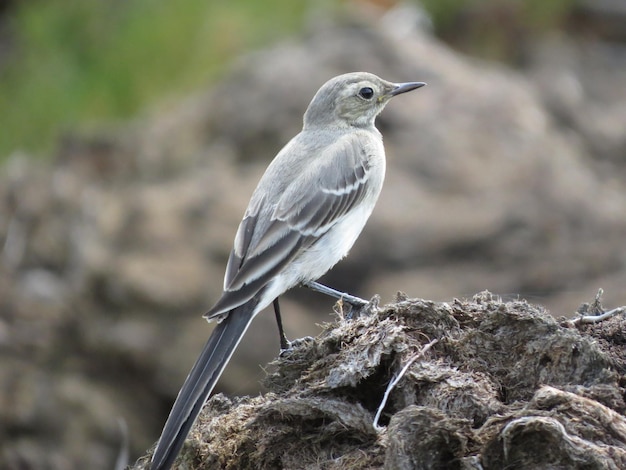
[327, 188]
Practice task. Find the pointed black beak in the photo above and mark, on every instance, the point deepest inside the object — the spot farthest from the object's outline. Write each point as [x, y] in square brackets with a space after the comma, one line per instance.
[404, 87]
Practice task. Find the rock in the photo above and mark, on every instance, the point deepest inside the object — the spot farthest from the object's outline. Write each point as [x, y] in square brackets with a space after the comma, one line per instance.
[486, 384]
[580, 86]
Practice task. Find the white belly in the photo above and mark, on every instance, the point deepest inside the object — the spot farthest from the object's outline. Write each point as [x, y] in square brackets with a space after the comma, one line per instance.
[332, 246]
[317, 260]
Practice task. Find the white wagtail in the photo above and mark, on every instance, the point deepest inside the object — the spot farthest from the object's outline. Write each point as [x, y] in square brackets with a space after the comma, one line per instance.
[304, 216]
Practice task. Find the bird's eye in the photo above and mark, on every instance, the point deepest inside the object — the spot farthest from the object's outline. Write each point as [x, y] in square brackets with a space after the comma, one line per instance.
[366, 93]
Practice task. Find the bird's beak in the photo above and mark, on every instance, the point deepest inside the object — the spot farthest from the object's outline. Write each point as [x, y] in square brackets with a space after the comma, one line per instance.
[404, 87]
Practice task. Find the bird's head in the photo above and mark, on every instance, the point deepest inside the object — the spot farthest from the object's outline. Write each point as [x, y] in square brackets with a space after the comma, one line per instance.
[353, 99]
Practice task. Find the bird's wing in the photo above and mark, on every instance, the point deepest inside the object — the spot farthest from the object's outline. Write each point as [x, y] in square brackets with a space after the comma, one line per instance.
[334, 185]
[327, 189]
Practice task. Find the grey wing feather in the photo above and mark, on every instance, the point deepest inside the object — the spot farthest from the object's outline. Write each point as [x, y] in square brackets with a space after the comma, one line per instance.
[238, 253]
[332, 184]
[337, 184]
[256, 271]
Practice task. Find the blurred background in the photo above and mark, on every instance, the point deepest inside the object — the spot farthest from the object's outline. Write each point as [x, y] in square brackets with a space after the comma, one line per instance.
[132, 134]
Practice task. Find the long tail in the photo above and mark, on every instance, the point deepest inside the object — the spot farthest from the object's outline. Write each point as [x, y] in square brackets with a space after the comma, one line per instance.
[200, 381]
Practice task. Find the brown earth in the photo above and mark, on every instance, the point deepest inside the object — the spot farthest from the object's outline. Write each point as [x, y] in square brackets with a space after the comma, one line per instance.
[490, 385]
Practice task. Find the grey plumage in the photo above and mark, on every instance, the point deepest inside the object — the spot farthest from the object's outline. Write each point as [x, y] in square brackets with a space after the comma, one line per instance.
[305, 214]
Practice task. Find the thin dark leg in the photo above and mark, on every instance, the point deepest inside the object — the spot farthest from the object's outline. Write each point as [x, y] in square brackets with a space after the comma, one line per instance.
[284, 342]
[322, 289]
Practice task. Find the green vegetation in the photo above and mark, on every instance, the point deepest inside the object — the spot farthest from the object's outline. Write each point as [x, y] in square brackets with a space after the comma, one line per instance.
[80, 61]
[73, 63]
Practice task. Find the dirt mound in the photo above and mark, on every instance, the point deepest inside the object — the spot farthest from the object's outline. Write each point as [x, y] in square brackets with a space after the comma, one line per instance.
[489, 384]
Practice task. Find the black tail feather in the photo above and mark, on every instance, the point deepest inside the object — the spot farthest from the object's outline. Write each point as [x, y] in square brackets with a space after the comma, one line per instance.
[199, 384]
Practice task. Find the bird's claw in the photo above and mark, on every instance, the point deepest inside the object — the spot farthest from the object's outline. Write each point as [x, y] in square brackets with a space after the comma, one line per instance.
[296, 343]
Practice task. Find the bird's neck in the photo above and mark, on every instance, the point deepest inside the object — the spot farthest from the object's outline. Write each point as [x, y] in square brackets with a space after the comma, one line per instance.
[339, 125]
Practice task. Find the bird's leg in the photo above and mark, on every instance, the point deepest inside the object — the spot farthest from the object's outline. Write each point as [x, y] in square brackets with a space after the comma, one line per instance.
[335, 294]
[355, 302]
[284, 342]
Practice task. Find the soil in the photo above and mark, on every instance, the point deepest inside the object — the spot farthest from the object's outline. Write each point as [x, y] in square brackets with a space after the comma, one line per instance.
[490, 385]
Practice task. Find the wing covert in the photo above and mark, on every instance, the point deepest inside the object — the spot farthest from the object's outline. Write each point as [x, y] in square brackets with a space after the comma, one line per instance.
[326, 190]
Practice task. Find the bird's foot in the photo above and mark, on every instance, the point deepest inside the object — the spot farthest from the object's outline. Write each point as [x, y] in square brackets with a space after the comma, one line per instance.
[292, 345]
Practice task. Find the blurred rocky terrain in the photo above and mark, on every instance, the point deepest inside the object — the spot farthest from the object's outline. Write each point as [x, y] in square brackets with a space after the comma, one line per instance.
[512, 180]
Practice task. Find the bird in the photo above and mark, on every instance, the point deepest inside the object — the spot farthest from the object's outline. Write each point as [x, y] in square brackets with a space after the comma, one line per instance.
[305, 214]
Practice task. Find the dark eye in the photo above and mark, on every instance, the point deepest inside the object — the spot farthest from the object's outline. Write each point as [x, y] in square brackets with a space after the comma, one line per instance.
[366, 93]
